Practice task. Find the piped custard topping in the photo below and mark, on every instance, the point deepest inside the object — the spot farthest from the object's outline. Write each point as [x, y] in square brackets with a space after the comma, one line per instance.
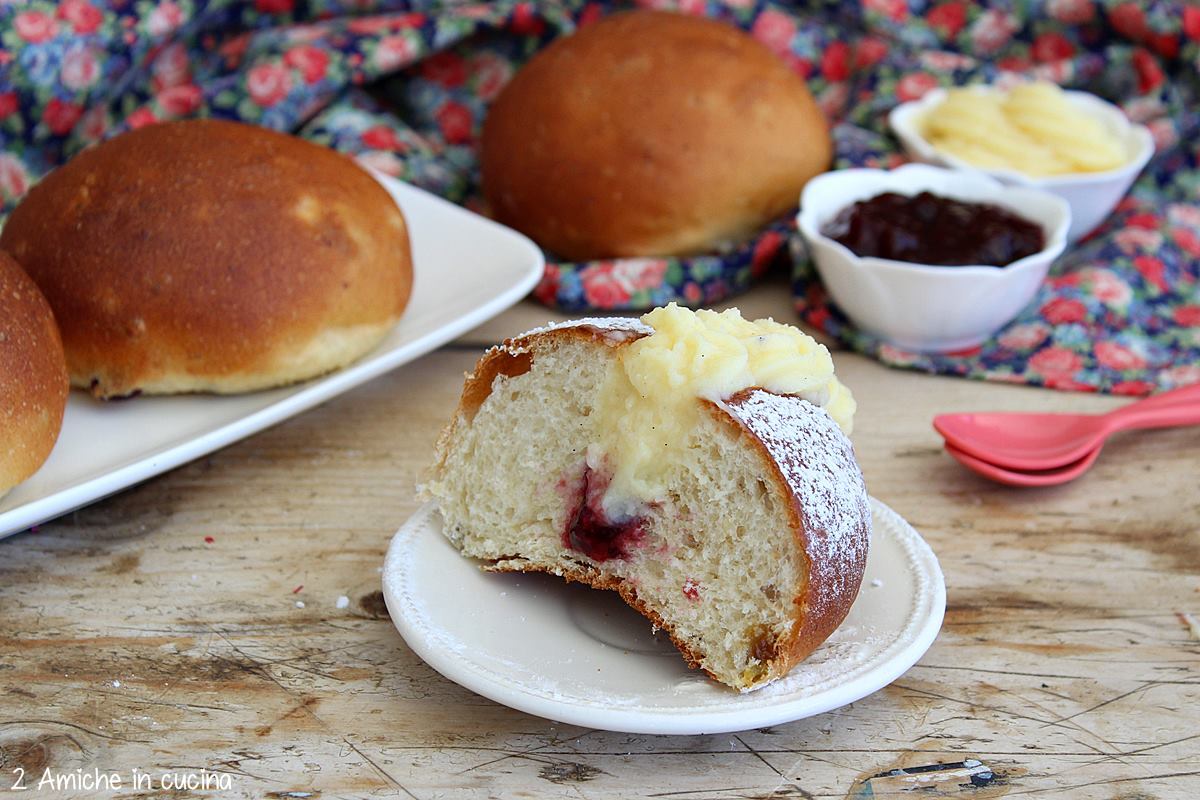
[1033, 128]
[648, 408]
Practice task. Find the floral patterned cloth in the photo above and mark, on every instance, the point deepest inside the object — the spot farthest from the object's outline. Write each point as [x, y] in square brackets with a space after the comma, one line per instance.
[404, 84]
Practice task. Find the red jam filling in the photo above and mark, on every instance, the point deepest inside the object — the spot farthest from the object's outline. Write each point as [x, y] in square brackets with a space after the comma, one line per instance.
[590, 531]
[928, 229]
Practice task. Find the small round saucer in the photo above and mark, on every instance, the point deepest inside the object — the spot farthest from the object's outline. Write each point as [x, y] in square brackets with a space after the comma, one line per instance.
[581, 656]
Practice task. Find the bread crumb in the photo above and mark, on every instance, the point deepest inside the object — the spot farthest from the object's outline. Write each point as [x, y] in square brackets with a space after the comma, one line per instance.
[342, 602]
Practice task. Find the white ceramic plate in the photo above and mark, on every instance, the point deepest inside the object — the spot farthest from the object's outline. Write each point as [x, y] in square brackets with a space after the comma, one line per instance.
[467, 270]
[581, 656]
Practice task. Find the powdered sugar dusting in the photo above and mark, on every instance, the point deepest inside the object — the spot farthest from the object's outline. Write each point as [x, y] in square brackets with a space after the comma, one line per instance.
[615, 329]
[818, 464]
[624, 324]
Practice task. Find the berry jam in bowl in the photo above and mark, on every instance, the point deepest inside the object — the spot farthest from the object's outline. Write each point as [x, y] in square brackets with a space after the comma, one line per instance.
[946, 225]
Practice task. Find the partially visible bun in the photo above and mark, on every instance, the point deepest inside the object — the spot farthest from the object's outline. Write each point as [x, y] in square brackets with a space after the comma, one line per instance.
[212, 256]
[650, 133]
[33, 376]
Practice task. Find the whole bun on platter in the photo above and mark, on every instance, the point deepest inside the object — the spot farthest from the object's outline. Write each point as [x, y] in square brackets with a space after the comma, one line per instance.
[210, 256]
[650, 133]
[33, 376]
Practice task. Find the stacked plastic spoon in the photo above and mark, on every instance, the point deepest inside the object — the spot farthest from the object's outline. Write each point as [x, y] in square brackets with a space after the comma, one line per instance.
[1022, 449]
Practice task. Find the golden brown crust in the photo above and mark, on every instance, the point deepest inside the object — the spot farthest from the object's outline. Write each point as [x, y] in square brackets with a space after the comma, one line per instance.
[650, 133]
[831, 523]
[209, 255]
[33, 376]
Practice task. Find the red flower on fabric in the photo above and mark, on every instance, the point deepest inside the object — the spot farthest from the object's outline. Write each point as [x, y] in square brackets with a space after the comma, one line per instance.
[274, 6]
[1188, 316]
[179, 101]
[591, 12]
[895, 10]
[1052, 47]
[95, 123]
[1130, 20]
[394, 52]
[1181, 376]
[1135, 388]
[602, 287]
[765, 250]
[1151, 269]
[384, 161]
[1024, 337]
[445, 69]
[1108, 287]
[547, 287]
[1062, 310]
[1014, 64]
[1187, 240]
[1165, 44]
[835, 62]
[774, 29]
[83, 17]
[388, 22]
[818, 316]
[992, 31]
[454, 119]
[1144, 220]
[80, 69]
[8, 103]
[1191, 22]
[525, 20]
[35, 27]
[14, 180]
[1117, 356]
[311, 62]
[381, 137]
[1073, 12]
[1056, 362]
[141, 118]
[801, 66]
[491, 74]
[948, 19]
[268, 84]
[166, 17]
[171, 67]
[870, 50]
[915, 85]
[60, 116]
[1150, 74]
[640, 273]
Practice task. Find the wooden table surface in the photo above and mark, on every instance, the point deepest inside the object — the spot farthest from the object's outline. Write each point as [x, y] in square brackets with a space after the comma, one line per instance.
[193, 623]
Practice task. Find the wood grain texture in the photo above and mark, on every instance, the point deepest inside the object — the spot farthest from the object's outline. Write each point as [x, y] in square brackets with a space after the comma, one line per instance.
[162, 628]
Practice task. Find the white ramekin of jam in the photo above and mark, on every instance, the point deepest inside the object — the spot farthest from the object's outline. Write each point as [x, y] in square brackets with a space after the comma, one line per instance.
[950, 221]
[1092, 195]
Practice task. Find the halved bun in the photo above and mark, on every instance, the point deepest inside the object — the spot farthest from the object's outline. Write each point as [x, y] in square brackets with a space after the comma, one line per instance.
[752, 560]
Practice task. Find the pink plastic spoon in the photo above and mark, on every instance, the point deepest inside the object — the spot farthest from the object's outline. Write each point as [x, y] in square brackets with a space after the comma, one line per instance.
[1018, 441]
[1016, 477]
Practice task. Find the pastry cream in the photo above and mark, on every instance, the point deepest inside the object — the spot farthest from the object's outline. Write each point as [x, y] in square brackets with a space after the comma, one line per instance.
[1034, 129]
[649, 405]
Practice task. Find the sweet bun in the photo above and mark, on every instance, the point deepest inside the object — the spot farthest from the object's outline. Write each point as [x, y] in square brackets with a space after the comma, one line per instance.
[750, 561]
[33, 376]
[650, 133]
[210, 256]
